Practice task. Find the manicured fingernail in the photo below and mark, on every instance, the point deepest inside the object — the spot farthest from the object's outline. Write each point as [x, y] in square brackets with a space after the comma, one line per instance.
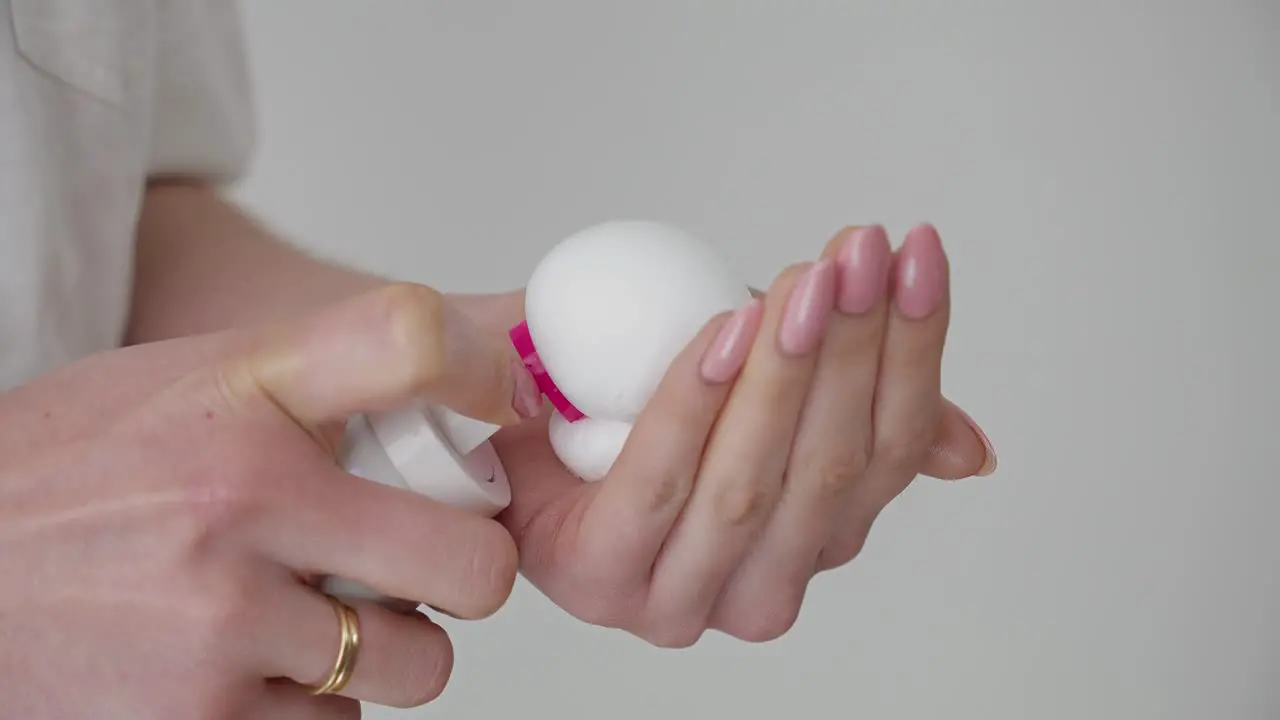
[921, 279]
[864, 262]
[729, 350]
[988, 463]
[808, 309]
[528, 400]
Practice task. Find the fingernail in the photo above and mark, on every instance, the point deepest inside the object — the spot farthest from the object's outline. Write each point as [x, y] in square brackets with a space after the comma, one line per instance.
[528, 400]
[808, 309]
[921, 278]
[864, 262]
[988, 463]
[729, 350]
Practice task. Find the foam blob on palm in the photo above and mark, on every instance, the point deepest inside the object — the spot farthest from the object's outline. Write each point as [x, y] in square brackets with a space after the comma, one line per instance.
[607, 310]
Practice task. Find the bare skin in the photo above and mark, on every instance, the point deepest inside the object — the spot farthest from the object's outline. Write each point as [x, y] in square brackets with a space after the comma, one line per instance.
[166, 503]
[166, 507]
[733, 493]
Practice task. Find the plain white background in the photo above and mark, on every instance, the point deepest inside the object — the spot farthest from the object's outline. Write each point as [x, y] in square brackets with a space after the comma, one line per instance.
[1104, 176]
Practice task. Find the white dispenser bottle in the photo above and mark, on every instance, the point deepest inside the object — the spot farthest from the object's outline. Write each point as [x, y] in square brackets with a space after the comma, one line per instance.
[432, 451]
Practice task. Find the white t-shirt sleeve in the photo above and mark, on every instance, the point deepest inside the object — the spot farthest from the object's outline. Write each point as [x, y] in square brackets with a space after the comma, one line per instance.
[202, 122]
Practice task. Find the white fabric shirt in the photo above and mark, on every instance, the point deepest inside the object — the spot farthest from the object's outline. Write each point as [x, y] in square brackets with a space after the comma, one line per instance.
[95, 97]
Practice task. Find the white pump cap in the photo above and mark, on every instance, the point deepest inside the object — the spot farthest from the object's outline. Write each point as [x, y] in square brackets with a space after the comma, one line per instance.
[444, 456]
[462, 433]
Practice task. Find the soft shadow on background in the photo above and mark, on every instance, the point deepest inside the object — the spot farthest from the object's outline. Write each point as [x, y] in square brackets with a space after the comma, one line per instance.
[1104, 176]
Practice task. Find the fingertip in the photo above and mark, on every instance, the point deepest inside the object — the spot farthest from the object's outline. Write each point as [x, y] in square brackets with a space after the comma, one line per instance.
[482, 376]
[990, 460]
[920, 278]
[503, 310]
[735, 334]
[961, 448]
[498, 566]
[838, 240]
[528, 402]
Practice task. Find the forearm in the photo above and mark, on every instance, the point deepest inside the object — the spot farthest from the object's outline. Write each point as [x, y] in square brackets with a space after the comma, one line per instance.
[203, 265]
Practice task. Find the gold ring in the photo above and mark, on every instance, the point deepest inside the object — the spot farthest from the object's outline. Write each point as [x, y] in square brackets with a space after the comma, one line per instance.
[348, 649]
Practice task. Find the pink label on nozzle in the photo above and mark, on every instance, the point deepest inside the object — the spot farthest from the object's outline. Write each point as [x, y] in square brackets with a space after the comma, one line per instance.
[523, 342]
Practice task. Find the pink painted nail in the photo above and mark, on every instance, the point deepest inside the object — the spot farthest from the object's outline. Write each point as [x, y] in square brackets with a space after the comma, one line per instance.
[864, 262]
[989, 463]
[921, 273]
[808, 309]
[528, 399]
[727, 353]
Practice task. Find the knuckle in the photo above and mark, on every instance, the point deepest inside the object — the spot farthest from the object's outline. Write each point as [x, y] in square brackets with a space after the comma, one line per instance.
[414, 318]
[902, 450]
[773, 392]
[667, 488]
[843, 550]
[673, 637]
[221, 610]
[744, 501]
[766, 621]
[591, 612]
[230, 382]
[669, 625]
[214, 506]
[598, 612]
[604, 602]
[831, 477]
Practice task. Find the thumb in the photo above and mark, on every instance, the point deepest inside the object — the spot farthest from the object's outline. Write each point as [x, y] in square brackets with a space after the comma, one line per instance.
[960, 448]
[381, 350]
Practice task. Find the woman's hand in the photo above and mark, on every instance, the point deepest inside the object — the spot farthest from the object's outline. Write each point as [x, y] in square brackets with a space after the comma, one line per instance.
[163, 508]
[766, 454]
